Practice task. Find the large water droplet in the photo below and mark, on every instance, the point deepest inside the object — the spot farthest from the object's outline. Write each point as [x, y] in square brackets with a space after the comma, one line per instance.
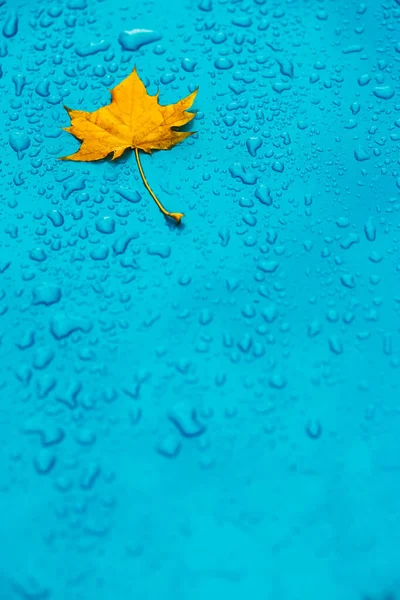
[384, 92]
[136, 38]
[105, 224]
[19, 142]
[11, 26]
[253, 144]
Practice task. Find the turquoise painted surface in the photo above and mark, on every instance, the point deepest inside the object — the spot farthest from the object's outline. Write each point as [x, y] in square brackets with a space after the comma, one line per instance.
[210, 410]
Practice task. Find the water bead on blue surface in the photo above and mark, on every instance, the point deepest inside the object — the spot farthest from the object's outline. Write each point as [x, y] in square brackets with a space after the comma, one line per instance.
[43, 88]
[384, 92]
[19, 141]
[205, 5]
[361, 154]
[56, 217]
[253, 144]
[219, 37]
[105, 224]
[278, 166]
[19, 81]
[92, 48]
[134, 39]
[46, 294]
[77, 4]
[223, 63]
[263, 194]
[167, 78]
[10, 27]
[99, 252]
[38, 254]
[188, 65]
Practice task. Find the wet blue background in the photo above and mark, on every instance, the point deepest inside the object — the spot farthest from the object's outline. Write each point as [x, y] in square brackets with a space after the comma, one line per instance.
[210, 410]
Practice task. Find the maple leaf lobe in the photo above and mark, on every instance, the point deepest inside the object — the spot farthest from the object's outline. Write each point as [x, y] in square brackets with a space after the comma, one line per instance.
[133, 119]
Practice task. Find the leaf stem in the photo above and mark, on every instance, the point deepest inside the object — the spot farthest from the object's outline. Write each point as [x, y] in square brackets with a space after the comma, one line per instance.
[176, 216]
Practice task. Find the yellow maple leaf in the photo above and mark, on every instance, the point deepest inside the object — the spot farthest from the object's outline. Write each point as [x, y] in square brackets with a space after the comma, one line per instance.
[134, 119]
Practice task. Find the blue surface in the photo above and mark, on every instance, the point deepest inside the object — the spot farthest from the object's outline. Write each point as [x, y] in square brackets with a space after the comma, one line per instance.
[210, 410]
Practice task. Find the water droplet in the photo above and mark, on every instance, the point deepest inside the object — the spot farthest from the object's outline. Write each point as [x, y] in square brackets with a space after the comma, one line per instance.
[19, 141]
[10, 27]
[136, 38]
[105, 224]
[385, 92]
[223, 63]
